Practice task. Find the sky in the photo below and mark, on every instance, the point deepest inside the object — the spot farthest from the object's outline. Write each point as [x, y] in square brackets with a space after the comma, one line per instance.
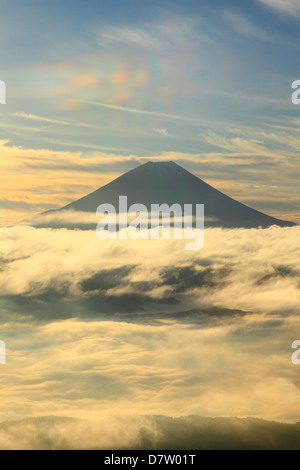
[96, 88]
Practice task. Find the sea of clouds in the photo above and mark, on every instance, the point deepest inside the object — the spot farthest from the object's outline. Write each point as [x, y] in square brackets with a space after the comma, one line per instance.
[120, 341]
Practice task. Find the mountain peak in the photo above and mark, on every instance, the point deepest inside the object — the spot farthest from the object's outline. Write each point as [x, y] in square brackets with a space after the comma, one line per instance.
[157, 165]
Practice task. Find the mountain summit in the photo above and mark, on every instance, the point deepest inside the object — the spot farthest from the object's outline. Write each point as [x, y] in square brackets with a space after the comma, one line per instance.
[167, 182]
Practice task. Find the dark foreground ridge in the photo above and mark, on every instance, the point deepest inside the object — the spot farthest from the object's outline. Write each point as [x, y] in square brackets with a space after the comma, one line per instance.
[155, 432]
[167, 182]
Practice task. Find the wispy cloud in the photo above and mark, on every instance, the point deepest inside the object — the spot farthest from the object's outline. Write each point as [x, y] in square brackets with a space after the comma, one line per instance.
[161, 131]
[140, 111]
[131, 36]
[244, 26]
[291, 7]
[171, 32]
[34, 117]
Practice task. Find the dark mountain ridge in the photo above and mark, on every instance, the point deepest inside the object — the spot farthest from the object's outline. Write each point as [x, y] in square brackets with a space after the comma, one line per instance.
[167, 182]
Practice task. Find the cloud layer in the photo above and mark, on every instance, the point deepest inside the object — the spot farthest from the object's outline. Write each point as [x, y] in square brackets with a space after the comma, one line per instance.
[124, 329]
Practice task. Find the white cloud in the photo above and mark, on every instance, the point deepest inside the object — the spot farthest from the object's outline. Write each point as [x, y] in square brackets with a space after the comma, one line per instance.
[243, 26]
[140, 111]
[291, 7]
[133, 36]
[34, 117]
[37, 259]
[171, 32]
[103, 365]
[161, 131]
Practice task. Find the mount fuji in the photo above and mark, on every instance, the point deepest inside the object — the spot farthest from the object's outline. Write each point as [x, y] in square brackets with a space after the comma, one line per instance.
[168, 182]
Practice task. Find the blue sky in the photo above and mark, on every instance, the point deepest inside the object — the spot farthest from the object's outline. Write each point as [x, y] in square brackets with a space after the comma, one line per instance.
[94, 88]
